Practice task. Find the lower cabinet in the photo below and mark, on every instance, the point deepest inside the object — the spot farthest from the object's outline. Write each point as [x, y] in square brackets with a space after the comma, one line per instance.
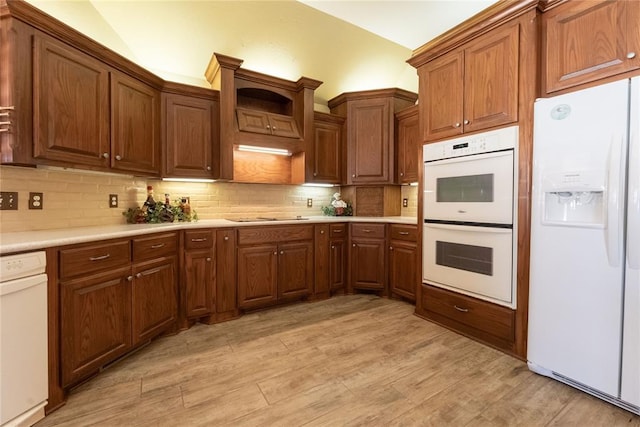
[330, 260]
[226, 275]
[199, 268]
[114, 296]
[403, 260]
[275, 264]
[367, 257]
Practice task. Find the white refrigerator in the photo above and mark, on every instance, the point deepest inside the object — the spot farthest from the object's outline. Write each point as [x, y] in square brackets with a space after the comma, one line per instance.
[584, 296]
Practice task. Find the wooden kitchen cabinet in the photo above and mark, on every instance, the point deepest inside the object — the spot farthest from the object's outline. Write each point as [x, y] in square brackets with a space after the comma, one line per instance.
[226, 275]
[267, 123]
[586, 41]
[71, 105]
[404, 265]
[199, 268]
[190, 133]
[367, 257]
[113, 296]
[325, 158]
[330, 260]
[409, 145]
[275, 264]
[370, 135]
[322, 253]
[337, 257]
[471, 88]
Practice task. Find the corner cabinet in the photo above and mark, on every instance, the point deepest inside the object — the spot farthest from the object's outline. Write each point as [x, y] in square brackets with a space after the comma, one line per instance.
[471, 88]
[370, 133]
[583, 42]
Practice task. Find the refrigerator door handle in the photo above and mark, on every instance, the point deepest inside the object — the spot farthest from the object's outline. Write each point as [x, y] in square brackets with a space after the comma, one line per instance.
[633, 214]
[613, 229]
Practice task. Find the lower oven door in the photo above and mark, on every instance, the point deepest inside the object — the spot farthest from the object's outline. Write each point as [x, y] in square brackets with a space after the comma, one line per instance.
[477, 261]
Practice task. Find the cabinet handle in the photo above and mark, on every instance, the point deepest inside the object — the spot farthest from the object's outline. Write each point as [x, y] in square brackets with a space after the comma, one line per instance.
[333, 247]
[353, 176]
[118, 157]
[275, 252]
[148, 272]
[208, 259]
[281, 252]
[464, 310]
[273, 128]
[204, 239]
[226, 238]
[129, 278]
[353, 245]
[208, 168]
[105, 155]
[457, 125]
[315, 174]
[401, 173]
[4, 114]
[321, 231]
[337, 231]
[99, 258]
[139, 275]
[390, 248]
[631, 55]
[366, 230]
[268, 127]
[466, 122]
[158, 246]
[4, 130]
[5, 123]
[10, 107]
[403, 233]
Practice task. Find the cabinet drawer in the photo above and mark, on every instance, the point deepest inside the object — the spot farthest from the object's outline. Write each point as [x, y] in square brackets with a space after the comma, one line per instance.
[374, 231]
[337, 230]
[155, 246]
[404, 232]
[78, 261]
[480, 315]
[269, 234]
[199, 239]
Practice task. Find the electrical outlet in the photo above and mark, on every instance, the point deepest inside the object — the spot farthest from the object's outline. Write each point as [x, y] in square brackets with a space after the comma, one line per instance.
[8, 201]
[309, 203]
[405, 203]
[113, 200]
[36, 200]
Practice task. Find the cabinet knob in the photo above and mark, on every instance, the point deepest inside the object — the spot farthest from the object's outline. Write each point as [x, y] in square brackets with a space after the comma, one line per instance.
[631, 55]
[321, 231]
[208, 259]
[390, 248]
[353, 176]
[273, 128]
[401, 173]
[333, 247]
[208, 168]
[315, 174]
[118, 157]
[275, 252]
[466, 122]
[268, 127]
[226, 238]
[129, 278]
[105, 155]
[139, 275]
[353, 245]
[457, 125]
[281, 252]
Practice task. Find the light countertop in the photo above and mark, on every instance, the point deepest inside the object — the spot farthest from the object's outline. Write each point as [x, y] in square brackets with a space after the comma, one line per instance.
[34, 240]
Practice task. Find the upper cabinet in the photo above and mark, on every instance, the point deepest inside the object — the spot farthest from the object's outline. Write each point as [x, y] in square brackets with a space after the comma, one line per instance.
[409, 145]
[585, 41]
[190, 132]
[258, 110]
[325, 157]
[370, 134]
[471, 88]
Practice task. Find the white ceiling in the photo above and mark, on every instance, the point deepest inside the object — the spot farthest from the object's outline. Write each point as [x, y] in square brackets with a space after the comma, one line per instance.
[323, 40]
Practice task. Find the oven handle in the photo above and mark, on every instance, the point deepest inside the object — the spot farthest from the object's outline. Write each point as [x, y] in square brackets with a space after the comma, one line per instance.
[470, 158]
[494, 230]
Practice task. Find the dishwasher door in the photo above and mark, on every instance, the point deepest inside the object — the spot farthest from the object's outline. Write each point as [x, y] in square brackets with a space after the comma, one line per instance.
[23, 350]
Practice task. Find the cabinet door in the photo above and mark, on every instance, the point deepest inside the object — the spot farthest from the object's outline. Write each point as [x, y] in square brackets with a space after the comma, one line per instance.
[154, 298]
[95, 316]
[253, 121]
[295, 270]
[283, 126]
[189, 136]
[370, 143]
[491, 79]
[257, 276]
[408, 148]
[71, 105]
[403, 269]
[441, 86]
[198, 273]
[322, 255]
[135, 125]
[584, 41]
[326, 152]
[226, 271]
[337, 263]
[367, 264]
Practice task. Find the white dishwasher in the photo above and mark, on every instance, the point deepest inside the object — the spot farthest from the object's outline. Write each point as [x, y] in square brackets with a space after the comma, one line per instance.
[23, 339]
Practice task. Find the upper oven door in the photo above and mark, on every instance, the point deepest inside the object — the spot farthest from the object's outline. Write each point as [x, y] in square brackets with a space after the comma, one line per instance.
[472, 189]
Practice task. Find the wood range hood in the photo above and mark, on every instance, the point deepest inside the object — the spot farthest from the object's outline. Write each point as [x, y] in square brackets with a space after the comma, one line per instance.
[258, 110]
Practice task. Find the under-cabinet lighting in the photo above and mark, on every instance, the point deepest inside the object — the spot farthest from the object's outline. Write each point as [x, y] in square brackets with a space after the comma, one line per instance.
[314, 184]
[189, 179]
[264, 150]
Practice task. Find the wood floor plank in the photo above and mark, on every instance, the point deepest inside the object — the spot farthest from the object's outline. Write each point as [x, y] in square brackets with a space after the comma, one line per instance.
[356, 360]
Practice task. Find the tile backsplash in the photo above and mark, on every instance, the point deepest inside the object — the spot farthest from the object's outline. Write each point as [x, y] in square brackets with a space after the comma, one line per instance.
[81, 198]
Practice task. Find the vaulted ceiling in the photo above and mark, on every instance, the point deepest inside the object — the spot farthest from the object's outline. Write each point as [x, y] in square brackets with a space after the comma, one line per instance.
[349, 45]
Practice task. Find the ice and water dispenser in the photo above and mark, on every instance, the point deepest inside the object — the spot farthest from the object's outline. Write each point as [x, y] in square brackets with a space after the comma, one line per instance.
[574, 198]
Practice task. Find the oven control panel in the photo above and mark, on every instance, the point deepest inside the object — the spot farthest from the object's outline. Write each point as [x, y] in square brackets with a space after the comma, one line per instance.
[486, 142]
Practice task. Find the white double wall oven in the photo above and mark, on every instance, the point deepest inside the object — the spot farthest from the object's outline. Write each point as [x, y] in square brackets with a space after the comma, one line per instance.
[469, 236]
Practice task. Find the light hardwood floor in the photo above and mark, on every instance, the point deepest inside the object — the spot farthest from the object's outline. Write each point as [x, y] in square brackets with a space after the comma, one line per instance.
[349, 360]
